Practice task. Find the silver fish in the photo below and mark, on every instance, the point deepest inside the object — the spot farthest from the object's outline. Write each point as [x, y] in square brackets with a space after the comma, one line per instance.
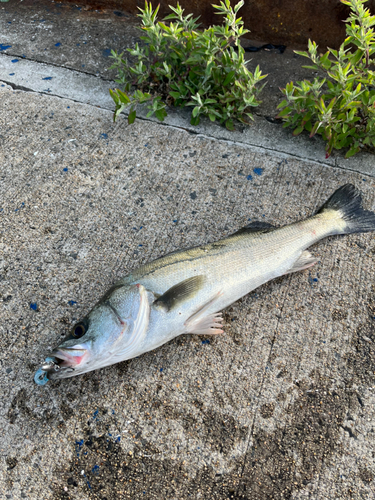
[185, 291]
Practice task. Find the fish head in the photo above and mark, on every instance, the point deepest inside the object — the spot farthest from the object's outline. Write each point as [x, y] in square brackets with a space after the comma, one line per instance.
[111, 332]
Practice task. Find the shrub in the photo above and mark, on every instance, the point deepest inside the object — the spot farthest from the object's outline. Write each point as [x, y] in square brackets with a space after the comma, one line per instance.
[340, 107]
[180, 65]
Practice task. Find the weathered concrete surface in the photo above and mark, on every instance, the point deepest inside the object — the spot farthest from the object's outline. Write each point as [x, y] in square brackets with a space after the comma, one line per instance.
[65, 35]
[55, 80]
[58, 71]
[280, 406]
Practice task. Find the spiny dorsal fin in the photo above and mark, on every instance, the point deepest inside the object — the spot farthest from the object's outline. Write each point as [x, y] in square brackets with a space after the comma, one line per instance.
[256, 227]
[180, 293]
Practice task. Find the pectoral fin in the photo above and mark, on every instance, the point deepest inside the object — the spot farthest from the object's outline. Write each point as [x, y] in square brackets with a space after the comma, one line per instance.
[180, 293]
[304, 261]
[202, 323]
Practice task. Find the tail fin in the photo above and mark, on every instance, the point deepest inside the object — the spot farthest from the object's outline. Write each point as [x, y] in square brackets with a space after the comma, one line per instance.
[347, 201]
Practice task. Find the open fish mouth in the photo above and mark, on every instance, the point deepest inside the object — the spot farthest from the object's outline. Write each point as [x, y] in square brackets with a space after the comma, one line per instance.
[59, 363]
[68, 357]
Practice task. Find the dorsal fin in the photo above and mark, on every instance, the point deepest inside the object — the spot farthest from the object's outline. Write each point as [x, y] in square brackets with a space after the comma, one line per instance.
[179, 293]
[256, 227]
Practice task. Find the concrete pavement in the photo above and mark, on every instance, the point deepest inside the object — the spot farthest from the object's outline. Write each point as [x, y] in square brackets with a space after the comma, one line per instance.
[280, 406]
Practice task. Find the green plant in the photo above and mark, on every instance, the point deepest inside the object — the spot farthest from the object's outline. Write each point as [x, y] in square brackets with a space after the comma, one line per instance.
[180, 65]
[340, 107]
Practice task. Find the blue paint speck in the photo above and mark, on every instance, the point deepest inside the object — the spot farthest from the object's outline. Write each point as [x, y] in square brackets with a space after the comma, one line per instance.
[161, 369]
[72, 302]
[47, 78]
[68, 107]
[14, 60]
[140, 245]
[175, 221]
[34, 306]
[105, 136]
[258, 171]
[249, 177]
[205, 341]
[315, 279]
[96, 412]
[4, 47]
[95, 469]
[11, 74]
[106, 52]
[65, 169]
[118, 439]
[140, 227]
[57, 44]
[78, 44]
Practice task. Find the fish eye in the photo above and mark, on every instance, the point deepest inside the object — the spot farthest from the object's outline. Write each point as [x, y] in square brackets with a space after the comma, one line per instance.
[79, 330]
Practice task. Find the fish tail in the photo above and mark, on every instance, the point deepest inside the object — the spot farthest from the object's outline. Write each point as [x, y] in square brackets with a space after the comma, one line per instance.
[346, 205]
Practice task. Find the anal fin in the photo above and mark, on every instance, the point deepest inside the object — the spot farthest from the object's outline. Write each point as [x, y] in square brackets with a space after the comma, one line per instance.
[304, 261]
[202, 323]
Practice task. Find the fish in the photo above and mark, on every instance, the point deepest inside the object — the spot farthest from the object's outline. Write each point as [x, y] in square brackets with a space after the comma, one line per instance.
[185, 291]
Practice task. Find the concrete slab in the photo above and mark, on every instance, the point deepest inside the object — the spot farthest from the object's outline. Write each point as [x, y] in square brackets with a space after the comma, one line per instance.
[281, 406]
[65, 35]
[54, 80]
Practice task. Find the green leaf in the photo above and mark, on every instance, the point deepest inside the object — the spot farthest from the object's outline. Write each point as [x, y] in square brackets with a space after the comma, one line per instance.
[175, 95]
[229, 124]
[284, 112]
[131, 117]
[160, 114]
[195, 111]
[352, 151]
[123, 97]
[114, 96]
[282, 104]
[229, 78]
[194, 120]
[298, 130]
